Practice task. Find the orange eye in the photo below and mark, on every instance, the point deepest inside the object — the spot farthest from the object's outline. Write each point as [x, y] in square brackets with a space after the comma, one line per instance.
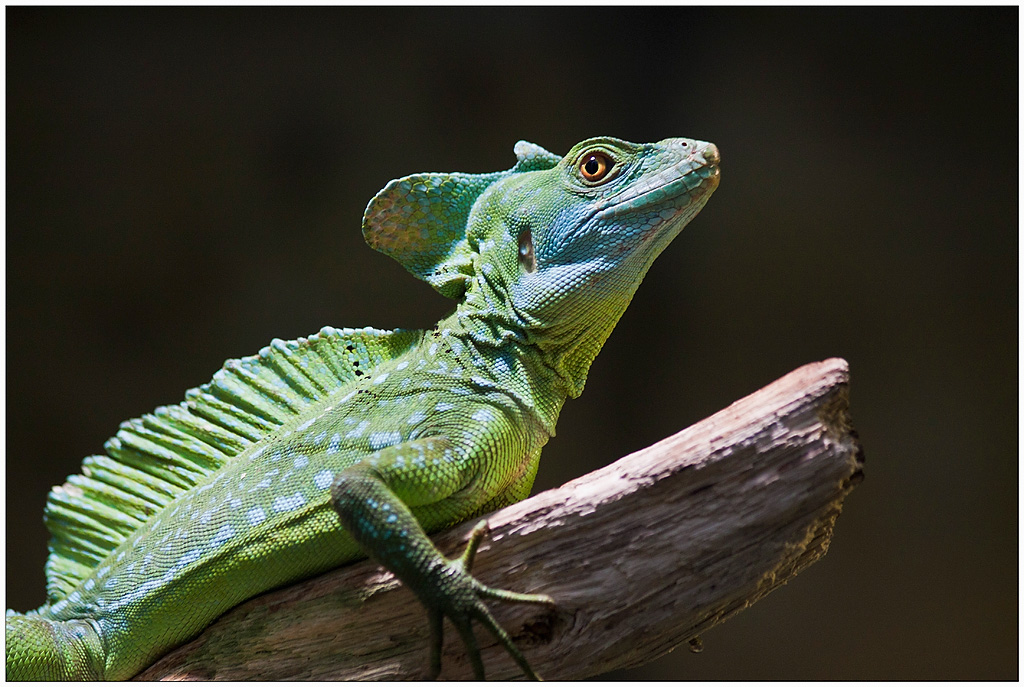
[595, 166]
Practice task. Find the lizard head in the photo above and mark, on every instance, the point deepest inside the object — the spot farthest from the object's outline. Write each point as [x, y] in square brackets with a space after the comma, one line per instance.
[587, 230]
[607, 206]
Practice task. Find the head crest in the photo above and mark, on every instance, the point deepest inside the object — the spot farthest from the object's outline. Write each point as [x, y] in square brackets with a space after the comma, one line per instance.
[420, 220]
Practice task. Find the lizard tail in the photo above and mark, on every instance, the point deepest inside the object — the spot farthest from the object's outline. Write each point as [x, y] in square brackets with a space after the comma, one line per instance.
[41, 649]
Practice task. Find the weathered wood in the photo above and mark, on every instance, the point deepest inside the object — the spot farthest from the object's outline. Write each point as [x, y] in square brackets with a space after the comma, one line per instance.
[641, 556]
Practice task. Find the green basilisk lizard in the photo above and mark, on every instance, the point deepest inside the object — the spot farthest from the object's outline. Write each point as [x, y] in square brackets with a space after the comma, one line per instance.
[238, 489]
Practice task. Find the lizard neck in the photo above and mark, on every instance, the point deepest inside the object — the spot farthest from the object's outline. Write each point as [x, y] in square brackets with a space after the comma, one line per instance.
[570, 348]
[502, 351]
[545, 362]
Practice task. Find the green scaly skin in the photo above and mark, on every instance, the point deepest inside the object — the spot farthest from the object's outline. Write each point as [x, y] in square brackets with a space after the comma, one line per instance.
[240, 488]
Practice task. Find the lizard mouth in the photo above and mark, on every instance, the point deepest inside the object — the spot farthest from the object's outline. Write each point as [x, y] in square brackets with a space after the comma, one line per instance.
[682, 185]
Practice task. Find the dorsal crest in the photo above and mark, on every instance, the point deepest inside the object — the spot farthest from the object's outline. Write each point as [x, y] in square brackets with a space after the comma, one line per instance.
[153, 459]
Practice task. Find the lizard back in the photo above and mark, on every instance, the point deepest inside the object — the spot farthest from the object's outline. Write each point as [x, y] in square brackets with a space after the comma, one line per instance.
[154, 459]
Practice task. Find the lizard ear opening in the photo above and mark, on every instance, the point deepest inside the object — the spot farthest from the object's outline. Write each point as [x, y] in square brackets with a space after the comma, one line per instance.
[421, 220]
[527, 256]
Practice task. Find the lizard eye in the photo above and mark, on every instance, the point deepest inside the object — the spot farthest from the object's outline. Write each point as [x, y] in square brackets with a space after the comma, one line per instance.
[595, 166]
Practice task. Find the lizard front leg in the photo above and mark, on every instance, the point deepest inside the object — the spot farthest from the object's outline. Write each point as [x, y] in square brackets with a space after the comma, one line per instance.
[374, 498]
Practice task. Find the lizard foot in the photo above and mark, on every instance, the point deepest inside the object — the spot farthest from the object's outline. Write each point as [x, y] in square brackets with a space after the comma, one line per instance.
[463, 603]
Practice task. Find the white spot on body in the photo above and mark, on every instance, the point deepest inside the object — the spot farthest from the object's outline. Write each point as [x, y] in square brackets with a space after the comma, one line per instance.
[305, 425]
[402, 365]
[358, 431]
[334, 445]
[147, 587]
[300, 462]
[284, 504]
[323, 479]
[255, 516]
[223, 534]
[381, 379]
[416, 418]
[190, 557]
[483, 415]
[379, 440]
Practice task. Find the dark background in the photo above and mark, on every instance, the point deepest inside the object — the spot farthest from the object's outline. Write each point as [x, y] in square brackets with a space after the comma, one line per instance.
[184, 185]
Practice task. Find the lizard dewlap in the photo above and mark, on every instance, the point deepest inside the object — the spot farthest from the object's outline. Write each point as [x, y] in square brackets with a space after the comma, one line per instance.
[356, 442]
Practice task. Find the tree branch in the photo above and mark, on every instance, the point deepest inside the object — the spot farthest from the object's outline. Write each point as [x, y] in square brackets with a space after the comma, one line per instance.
[640, 556]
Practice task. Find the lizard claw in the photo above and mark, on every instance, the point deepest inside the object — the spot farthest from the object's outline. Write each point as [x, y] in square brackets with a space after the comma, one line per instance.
[464, 603]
